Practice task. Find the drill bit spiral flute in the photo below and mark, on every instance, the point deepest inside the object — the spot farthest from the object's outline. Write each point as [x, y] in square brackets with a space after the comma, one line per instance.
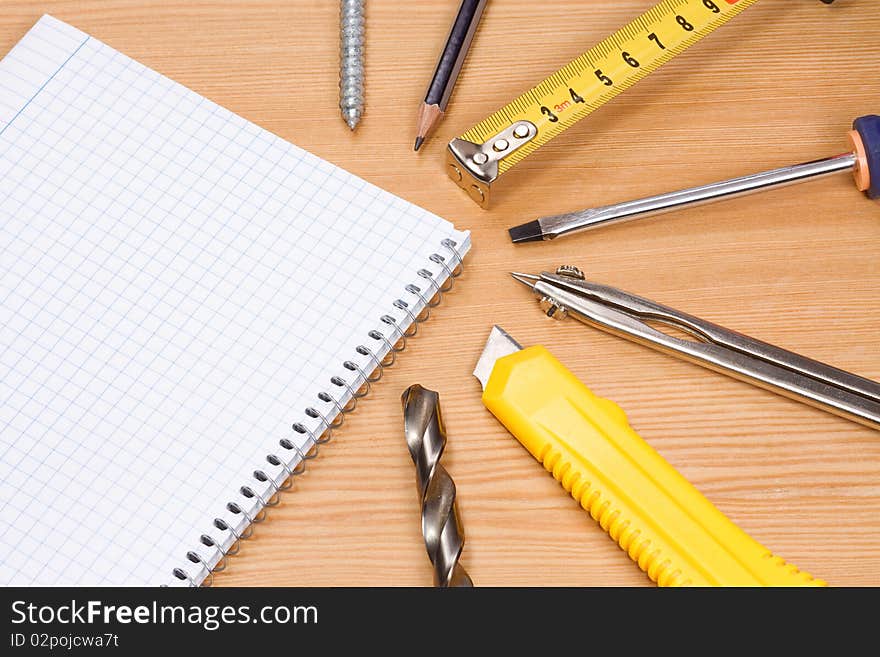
[426, 439]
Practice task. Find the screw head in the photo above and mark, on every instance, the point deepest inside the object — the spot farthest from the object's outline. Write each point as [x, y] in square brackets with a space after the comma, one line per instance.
[501, 145]
[521, 131]
[552, 308]
[570, 271]
[481, 158]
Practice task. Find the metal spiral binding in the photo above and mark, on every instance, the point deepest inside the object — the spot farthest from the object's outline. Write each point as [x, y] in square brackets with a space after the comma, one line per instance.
[395, 341]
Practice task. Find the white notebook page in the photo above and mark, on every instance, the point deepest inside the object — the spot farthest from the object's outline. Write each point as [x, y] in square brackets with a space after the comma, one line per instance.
[177, 286]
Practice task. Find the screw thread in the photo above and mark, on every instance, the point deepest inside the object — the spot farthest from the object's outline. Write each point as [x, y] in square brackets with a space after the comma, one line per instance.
[351, 61]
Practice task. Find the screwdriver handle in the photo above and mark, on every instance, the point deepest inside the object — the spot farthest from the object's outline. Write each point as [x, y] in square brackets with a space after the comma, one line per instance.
[865, 140]
[657, 517]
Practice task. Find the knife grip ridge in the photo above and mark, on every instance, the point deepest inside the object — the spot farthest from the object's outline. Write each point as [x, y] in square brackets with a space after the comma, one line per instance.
[611, 520]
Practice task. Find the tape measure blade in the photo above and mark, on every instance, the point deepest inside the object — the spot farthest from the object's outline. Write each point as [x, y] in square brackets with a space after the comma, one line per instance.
[605, 71]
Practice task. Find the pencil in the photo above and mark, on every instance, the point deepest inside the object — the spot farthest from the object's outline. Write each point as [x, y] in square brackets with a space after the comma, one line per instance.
[448, 68]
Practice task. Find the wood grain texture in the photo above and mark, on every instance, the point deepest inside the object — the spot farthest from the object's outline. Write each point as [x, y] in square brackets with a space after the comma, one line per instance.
[797, 267]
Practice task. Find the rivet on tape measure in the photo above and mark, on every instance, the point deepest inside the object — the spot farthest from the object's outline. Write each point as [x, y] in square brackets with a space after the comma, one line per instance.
[479, 156]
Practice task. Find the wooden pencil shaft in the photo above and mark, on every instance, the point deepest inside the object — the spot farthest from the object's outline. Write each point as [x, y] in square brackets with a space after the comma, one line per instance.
[454, 52]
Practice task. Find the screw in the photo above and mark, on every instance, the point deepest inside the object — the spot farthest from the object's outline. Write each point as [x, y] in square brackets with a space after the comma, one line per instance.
[552, 308]
[571, 271]
[351, 61]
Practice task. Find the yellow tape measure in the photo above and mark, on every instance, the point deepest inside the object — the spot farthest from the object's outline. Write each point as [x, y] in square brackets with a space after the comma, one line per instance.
[478, 157]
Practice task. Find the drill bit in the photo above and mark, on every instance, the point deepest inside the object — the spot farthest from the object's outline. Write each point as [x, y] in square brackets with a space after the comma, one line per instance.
[351, 61]
[441, 527]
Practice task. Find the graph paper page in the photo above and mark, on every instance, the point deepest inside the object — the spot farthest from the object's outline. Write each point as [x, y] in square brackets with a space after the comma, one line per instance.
[177, 287]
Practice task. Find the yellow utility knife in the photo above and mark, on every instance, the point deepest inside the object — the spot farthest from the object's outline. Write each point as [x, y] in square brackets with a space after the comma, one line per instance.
[659, 519]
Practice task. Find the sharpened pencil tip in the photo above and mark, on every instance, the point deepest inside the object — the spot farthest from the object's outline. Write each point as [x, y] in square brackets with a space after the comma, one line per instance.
[419, 141]
[530, 232]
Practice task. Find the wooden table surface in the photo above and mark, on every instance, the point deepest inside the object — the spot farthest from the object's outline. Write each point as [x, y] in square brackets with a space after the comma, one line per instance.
[797, 267]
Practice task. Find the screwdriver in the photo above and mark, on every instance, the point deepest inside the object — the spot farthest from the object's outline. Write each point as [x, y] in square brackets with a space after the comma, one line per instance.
[863, 160]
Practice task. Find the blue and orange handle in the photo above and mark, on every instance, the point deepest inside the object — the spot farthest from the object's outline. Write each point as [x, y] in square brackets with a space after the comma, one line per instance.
[865, 141]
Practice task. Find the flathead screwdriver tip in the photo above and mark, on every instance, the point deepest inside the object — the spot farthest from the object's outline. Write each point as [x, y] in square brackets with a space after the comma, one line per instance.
[419, 141]
[530, 232]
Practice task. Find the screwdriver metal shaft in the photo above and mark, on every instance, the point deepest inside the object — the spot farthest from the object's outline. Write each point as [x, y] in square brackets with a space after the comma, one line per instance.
[441, 527]
[555, 226]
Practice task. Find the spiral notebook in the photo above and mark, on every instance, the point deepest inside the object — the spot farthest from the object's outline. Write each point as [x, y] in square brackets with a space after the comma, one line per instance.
[188, 302]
